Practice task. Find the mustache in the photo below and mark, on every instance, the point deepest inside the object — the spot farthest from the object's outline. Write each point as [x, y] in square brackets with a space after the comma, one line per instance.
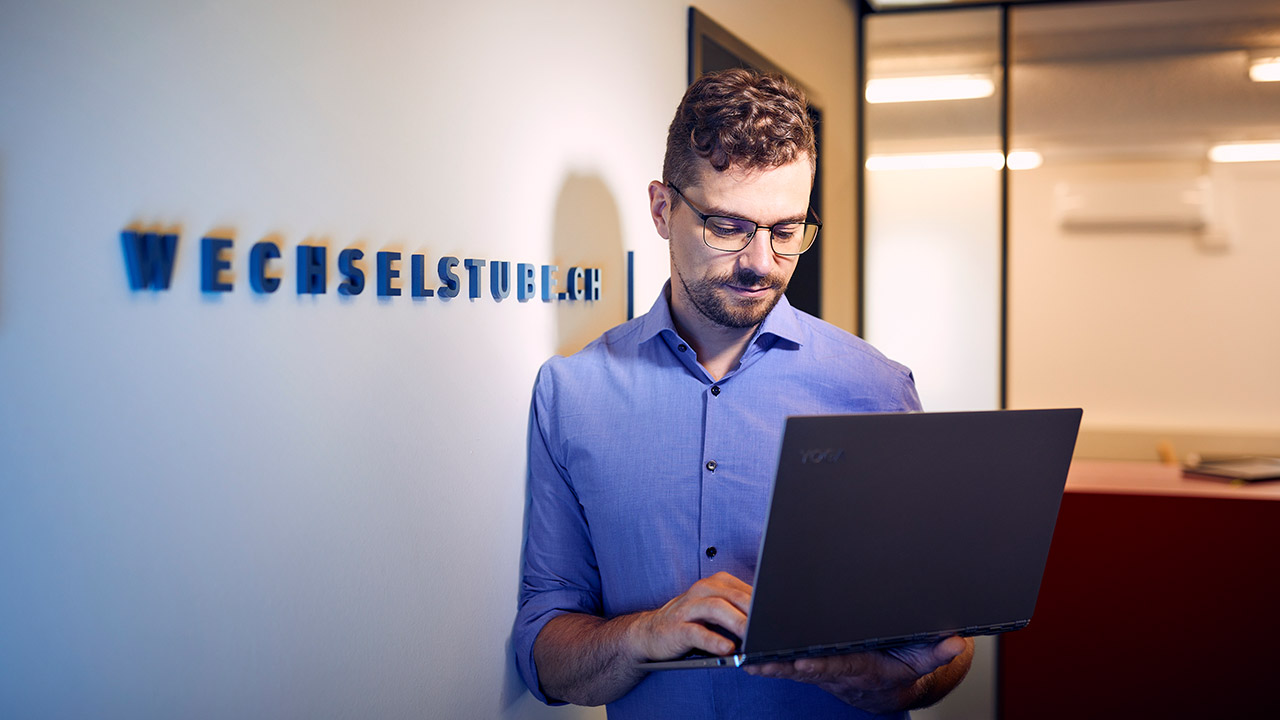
[748, 278]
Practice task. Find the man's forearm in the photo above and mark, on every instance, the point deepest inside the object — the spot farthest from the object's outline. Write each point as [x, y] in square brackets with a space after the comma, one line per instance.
[586, 660]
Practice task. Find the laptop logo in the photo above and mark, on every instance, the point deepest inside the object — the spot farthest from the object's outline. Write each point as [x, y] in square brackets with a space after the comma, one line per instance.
[821, 455]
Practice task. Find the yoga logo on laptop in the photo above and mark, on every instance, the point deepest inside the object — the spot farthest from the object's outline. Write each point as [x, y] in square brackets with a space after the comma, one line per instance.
[827, 455]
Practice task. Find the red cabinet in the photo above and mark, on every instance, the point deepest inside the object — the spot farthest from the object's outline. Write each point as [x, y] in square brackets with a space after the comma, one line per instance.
[1160, 599]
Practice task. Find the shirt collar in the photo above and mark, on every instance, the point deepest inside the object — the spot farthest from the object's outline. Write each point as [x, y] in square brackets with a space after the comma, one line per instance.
[781, 322]
[658, 318]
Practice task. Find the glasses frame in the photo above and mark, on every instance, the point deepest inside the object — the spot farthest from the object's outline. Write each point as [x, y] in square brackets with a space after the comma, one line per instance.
[817, 223]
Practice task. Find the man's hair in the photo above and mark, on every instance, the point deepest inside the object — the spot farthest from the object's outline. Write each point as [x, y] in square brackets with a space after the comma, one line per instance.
[737, 118]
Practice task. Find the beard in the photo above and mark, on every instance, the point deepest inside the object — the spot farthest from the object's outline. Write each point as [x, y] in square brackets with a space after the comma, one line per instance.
[715, 303]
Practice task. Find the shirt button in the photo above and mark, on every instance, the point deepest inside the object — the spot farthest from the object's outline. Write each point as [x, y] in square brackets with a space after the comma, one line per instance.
[715, 389]
[711, 552]
[711, 465]
[682, 347]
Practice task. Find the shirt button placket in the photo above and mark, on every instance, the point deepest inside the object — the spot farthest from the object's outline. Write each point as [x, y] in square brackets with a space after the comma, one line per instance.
[711, 499]
[711, 464]
[710, 551]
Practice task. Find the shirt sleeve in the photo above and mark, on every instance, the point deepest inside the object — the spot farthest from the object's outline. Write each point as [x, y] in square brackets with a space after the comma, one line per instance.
[910, 398]
[559, 571]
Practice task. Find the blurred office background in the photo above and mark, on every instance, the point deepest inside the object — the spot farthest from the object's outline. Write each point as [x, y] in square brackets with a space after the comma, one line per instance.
[1121, 262]
[217, 505]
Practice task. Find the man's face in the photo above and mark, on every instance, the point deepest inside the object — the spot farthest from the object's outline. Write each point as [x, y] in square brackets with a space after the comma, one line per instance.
[735, 290]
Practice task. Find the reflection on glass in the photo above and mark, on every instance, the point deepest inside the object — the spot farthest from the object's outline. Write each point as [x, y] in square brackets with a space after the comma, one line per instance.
[933, 204]
[928, 88]
[1143, 251]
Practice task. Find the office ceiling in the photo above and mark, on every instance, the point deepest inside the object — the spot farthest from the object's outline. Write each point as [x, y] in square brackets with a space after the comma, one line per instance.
[1163, 78]
[1084, 30]
[1088, 32]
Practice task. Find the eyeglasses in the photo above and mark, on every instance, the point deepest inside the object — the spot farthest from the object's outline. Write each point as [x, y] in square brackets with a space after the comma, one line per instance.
[732, 234]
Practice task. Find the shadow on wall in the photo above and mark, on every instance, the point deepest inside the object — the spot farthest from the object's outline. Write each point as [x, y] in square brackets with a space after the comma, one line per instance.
[587, 232]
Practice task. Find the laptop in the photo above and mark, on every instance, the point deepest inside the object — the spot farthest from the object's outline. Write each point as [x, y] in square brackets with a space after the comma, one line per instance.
[899, 528]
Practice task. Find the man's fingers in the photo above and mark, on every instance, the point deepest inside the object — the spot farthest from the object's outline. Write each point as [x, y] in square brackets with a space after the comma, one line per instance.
[717, 611]
[952, 648]
[704, 589]
[833, 666]
[909, 661]
[683, 623]
[924, 659]
[721, 599]
[732, 582]
[705, 639]
[724, 585]
[772, 669]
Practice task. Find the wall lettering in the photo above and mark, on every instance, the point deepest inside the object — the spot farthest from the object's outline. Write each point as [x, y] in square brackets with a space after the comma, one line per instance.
[149, 259]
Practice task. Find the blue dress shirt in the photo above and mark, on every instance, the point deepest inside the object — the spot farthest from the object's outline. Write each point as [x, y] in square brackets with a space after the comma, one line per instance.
[646, 475]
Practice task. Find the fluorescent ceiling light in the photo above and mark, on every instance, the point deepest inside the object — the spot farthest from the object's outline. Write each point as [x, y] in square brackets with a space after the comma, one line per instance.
[1025, 160]
[1018, 160]
[1245, 152]
[923, 89]
[1265, 69]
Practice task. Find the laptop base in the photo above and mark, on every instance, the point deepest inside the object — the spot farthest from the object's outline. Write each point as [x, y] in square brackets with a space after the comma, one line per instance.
[741, 659]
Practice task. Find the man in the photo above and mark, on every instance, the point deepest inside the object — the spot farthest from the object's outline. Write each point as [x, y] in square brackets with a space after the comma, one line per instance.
[652, 451]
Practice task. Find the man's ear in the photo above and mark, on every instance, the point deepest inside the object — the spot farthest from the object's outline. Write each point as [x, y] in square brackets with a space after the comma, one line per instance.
[660, 208]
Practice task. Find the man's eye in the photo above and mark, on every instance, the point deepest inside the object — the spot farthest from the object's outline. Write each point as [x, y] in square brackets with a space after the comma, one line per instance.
[725, 228]
[787, 231]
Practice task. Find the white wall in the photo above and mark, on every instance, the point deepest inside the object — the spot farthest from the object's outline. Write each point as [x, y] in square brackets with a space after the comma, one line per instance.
[1149, 331]
[285, 506]
[933, 281]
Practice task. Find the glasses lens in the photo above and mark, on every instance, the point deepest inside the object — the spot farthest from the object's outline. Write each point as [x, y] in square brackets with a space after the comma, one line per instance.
[728, 233]
[733, 234]
[788, 238]
[793, 238]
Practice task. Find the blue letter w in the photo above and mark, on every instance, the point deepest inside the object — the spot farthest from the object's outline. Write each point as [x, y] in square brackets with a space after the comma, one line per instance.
[149, 258]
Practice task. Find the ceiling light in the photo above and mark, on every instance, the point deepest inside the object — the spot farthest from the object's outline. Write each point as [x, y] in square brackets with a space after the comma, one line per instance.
[1018, 160]
[1025, 160]
[1265, 69]
[923, 89]
[1245, 152]
[935, 161]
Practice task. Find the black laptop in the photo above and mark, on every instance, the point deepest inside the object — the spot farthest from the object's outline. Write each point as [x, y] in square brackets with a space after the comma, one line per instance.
[900, 528]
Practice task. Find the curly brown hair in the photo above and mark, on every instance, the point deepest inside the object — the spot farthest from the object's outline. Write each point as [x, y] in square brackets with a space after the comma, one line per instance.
[737, 118]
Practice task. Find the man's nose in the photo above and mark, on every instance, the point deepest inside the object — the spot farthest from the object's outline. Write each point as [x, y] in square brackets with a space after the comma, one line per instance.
[758, 254]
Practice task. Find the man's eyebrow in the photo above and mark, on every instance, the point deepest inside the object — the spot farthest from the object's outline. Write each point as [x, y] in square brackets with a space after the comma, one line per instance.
[714, 210]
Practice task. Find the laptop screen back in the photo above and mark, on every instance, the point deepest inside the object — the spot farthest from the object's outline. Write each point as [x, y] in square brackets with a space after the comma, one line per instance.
[886, 528]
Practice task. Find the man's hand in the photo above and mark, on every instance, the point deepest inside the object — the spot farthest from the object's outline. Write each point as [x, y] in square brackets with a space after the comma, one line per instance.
[882, 681]
[682, 624]
[588, 660]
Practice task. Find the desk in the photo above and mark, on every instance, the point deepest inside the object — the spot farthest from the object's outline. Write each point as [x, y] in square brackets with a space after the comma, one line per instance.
[1159, 600]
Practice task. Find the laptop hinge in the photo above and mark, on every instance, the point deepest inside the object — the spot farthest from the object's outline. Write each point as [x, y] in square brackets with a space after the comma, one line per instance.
[993, 629]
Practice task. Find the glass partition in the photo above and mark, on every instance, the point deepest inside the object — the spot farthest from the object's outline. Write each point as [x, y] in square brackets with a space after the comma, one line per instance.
[1143, 252]
[932, 245]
